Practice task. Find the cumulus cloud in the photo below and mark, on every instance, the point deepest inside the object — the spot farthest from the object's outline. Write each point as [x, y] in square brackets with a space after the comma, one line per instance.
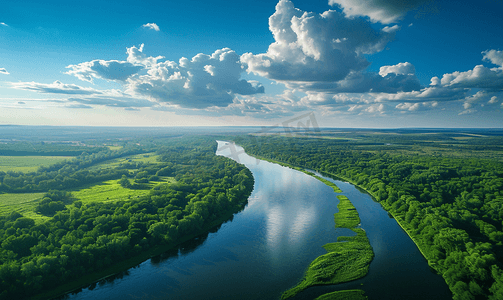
[313, 47]
[57, 87]
[405, 68]
[408, 106]
[200, 82]
[357, 82]
[480, 76]
[3, 71]
[493, 100]
[384, 11]
[494, 56]
[108, 70]
[431, 93]
[473, 88]
[151, 26]
[137, 57]
[376, 108]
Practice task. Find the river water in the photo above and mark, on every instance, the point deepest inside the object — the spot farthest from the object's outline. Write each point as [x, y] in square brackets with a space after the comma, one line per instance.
[265, 249]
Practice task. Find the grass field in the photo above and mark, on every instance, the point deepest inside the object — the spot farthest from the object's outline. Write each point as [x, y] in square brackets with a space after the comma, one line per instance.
[28, 164]
[111, 190]
[148, 158]
[114, 147]
[22, 203]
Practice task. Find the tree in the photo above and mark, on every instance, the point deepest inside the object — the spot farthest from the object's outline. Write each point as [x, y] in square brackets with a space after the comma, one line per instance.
[124, 182]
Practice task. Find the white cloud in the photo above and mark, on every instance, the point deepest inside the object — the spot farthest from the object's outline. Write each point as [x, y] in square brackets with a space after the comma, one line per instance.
[375, 108]
[359, 82]
[494, 56]
[137, 57]
[405, 68]
[371, 109]
[493, 100]
[204, 81]
[384, 11]
[480, 99]
[467, 111]
[152, 26]
[2, 23]
[408, 106]
[56, 87]
[313, 47]
[108, 70]
[480, 76]
[391, 29]
[3, 71]
[411, 107]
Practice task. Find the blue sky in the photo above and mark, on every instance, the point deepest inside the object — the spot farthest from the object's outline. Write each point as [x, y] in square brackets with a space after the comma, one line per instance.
[354, 63]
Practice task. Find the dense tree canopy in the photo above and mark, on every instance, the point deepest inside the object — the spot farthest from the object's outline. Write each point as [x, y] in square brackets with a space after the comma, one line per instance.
[81, 238]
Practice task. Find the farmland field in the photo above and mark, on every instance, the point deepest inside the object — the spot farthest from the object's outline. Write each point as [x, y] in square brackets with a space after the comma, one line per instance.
[27, 164]
[24, 204]
[148, 158]
[109, 190]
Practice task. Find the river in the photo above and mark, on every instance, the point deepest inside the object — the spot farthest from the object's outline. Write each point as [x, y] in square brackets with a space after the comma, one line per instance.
[266, 247]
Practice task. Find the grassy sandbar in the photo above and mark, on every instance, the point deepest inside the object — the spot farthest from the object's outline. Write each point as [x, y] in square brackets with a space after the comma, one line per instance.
[344, 295]
[347, 259]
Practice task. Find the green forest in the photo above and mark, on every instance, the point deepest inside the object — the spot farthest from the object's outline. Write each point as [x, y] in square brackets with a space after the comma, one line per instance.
[75, 212]
[177, 190]
[445, 190]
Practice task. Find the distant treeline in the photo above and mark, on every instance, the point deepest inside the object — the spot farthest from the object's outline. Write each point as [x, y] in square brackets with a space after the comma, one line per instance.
[45, 149]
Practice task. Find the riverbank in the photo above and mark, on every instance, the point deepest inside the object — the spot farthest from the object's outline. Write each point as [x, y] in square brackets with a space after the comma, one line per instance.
[131, 262]
[398, 219]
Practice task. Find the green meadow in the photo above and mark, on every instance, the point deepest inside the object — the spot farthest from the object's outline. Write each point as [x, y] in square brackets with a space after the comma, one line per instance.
[27, 164]
[24, 204]
[146, 158]
[111, 190]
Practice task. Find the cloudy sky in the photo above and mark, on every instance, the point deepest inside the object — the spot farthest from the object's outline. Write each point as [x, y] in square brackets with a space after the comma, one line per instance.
[354, 63]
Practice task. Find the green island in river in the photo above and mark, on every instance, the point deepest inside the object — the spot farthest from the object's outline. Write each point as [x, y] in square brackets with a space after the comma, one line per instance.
[347, 259]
